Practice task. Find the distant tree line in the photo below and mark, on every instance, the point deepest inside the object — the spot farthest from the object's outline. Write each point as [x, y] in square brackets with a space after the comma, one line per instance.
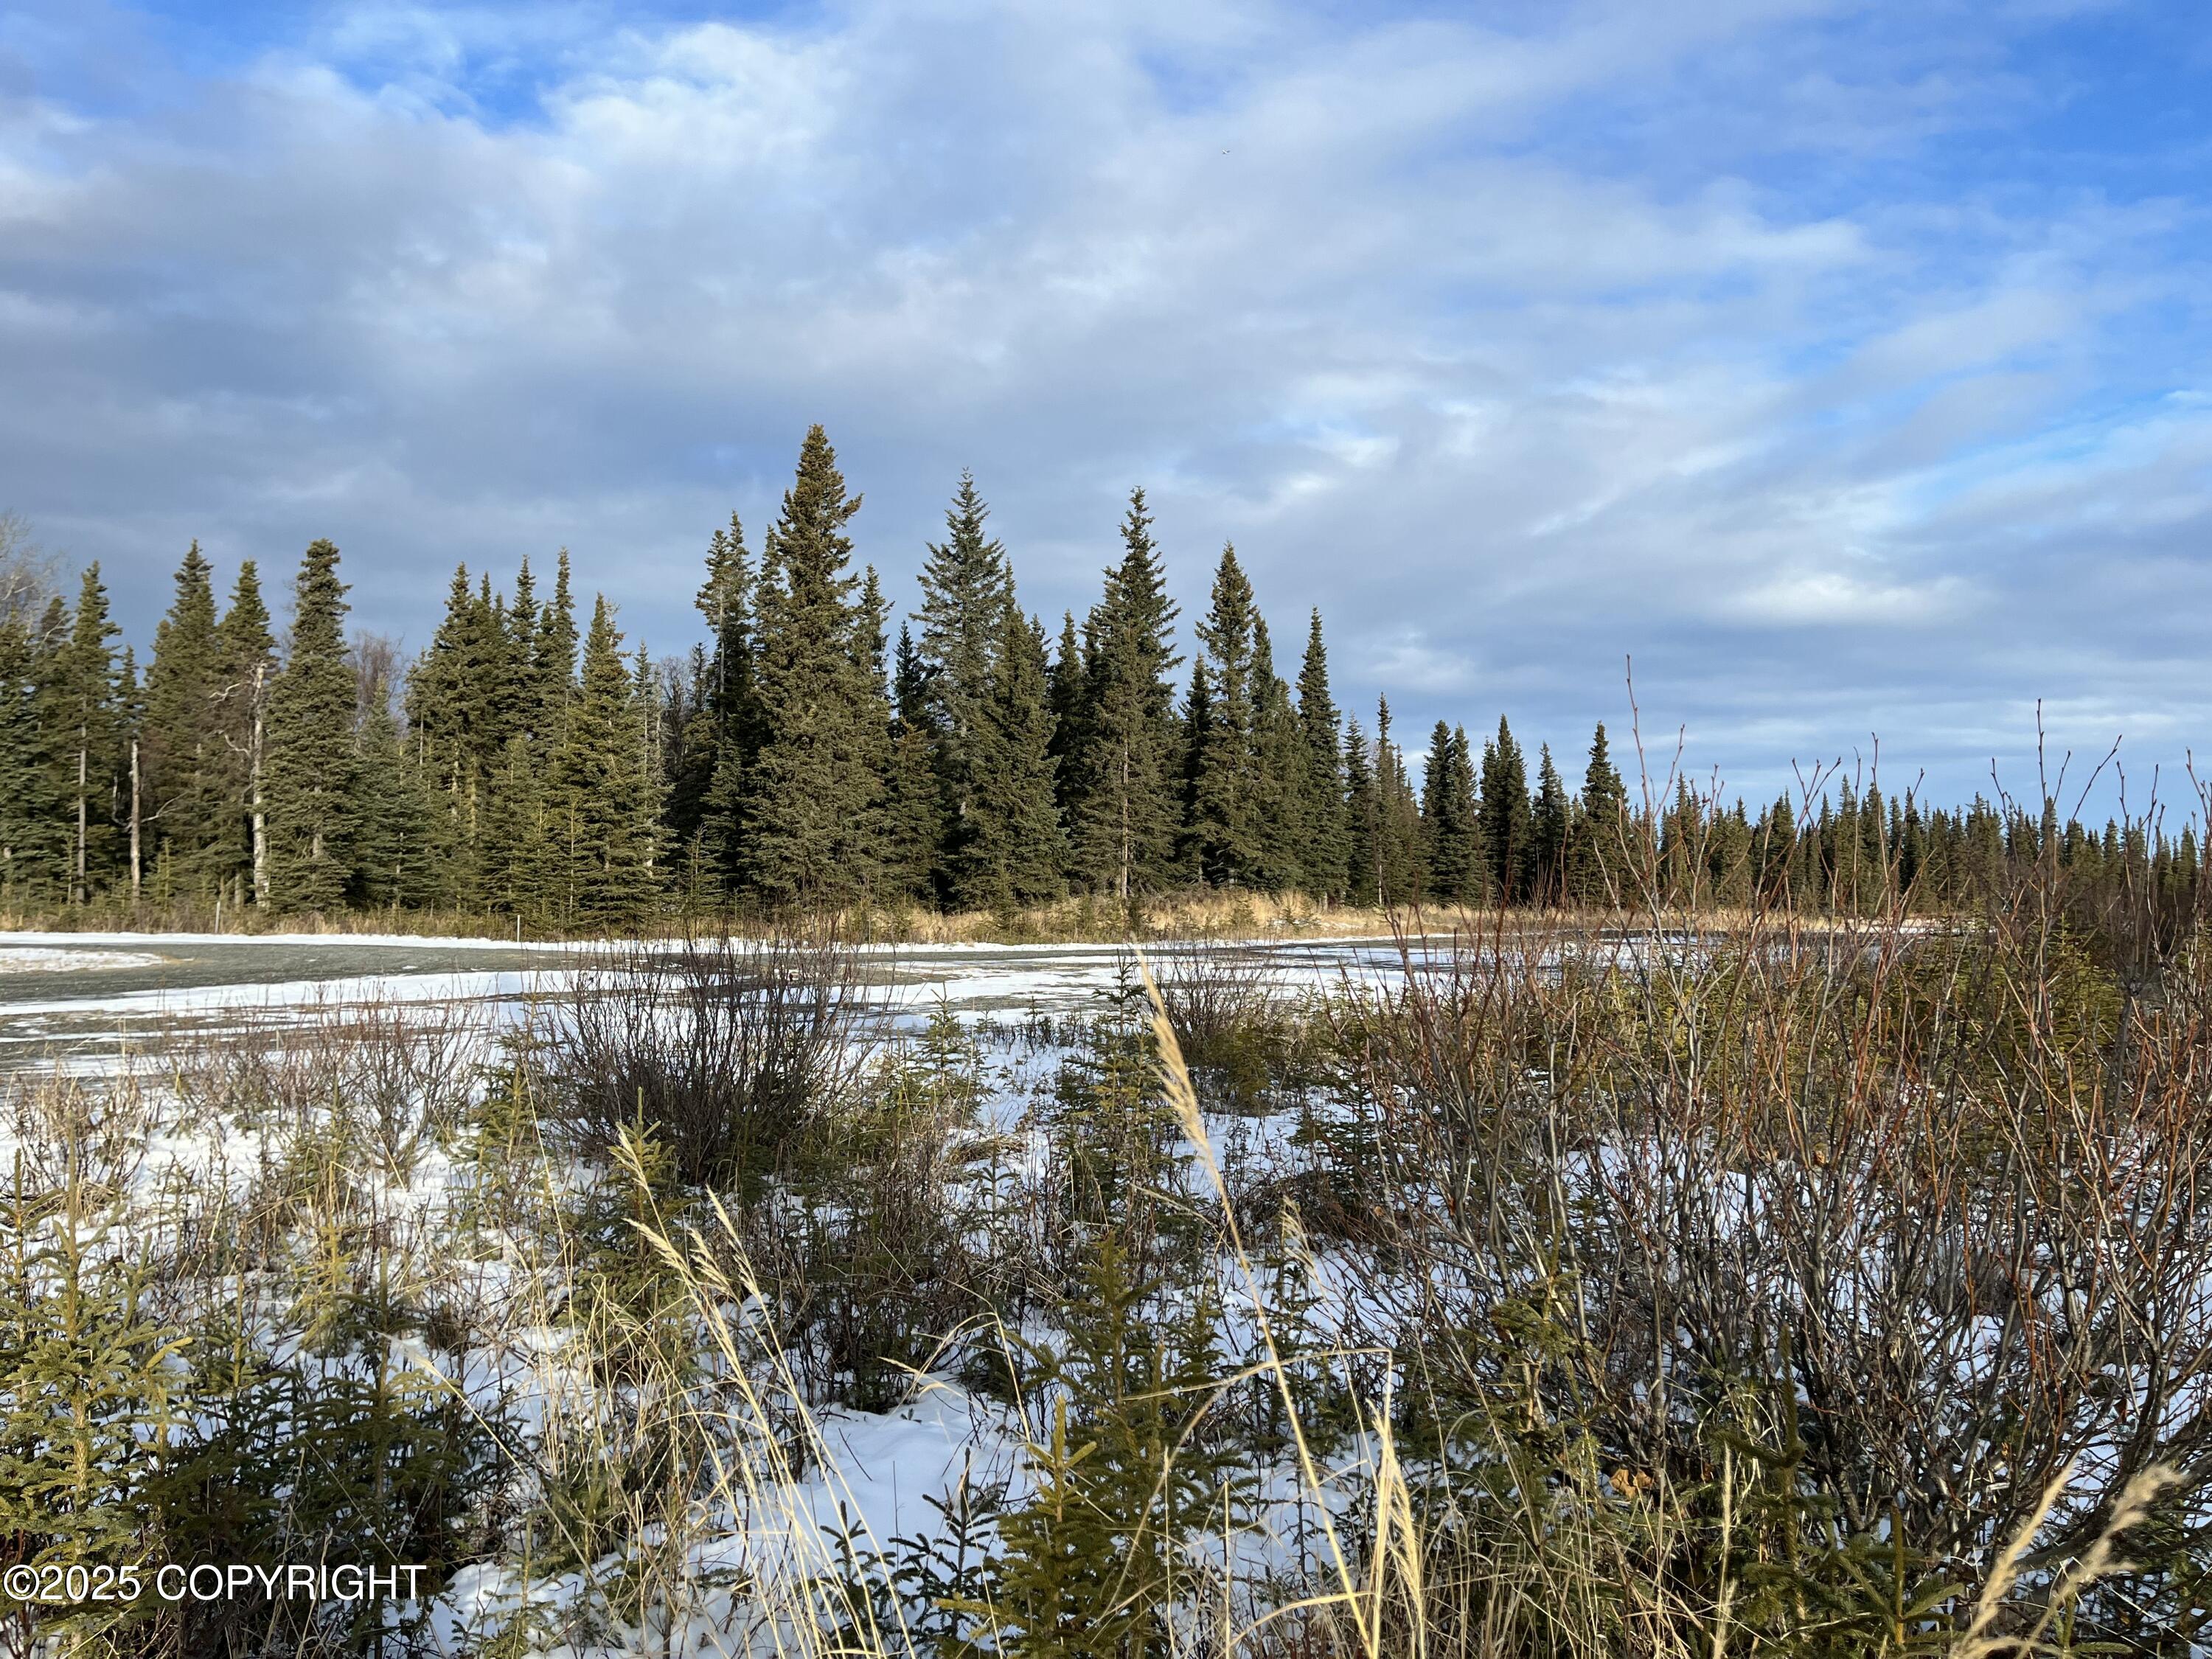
[523, 766]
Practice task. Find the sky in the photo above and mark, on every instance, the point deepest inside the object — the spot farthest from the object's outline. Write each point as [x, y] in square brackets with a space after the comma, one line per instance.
[1846, 369]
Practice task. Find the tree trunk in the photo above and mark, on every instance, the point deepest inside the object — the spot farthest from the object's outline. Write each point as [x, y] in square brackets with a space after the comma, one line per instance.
[1129, 842]
[260, 816]
[76, 892]
[134, 865]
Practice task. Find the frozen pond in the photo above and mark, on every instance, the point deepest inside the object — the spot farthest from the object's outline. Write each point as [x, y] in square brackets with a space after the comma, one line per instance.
[90, 1000]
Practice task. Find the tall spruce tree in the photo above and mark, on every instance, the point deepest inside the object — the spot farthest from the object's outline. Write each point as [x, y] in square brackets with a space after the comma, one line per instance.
[1596, 854]
[649, 707]
[311, 756]
[709, 801]
[33, 841]
[965, 587]
[1398, 852]
[1225, 786]
[1125, 820]
[19, 766]
[1328, 851]
[1285, 810]
[1068, 690]
[387, 809]
[811, 804]
[554, 657]
[1450, 836]
[525, 875]
[80, 704]
[180, 754]
[505, 676]
[445, 726]
[1363, 822]
[522, 624]
[1504, 816]
[1015, 852]
[603, 804]
[1190, 749]
[247, 653]
[1549, 822]
[914, 823]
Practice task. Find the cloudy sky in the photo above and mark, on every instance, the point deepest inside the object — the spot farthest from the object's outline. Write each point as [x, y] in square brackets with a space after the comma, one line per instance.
[1846, 366]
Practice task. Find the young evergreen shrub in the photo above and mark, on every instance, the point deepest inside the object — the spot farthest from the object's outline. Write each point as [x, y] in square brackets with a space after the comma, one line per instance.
[1113, 1138]
[315, 1437]
[1136, 1462]
[87, 1403]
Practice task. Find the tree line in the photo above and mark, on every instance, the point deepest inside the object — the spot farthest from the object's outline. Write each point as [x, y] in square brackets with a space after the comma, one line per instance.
[524, 766]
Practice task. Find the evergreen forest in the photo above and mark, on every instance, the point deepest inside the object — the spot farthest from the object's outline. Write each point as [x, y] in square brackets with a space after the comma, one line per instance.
[533, 769]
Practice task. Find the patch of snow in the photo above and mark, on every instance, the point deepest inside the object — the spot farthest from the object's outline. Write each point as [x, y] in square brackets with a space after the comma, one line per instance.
[16, 958]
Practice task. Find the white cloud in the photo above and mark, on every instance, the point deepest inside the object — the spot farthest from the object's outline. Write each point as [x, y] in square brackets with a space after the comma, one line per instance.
[1520, 339]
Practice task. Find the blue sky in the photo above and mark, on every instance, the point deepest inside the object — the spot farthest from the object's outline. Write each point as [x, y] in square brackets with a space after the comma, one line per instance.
[1846, 366]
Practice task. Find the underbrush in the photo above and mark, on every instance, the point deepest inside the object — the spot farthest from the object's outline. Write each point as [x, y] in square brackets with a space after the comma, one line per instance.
[1762, 1291]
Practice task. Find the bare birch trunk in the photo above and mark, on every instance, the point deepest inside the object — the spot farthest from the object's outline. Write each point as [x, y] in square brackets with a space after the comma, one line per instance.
[260, 816]
[135, 866]
[76, 892]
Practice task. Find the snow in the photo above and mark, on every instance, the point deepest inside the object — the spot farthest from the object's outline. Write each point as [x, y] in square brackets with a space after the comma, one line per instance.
[16, 958]
[417, 941]
[881, 1470]
[305, 993]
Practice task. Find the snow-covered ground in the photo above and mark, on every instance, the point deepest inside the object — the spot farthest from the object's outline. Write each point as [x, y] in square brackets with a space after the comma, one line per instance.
[108, 1005]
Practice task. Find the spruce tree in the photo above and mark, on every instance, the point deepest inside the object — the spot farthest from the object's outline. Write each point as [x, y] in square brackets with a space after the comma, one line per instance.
[1450, 837]
[1595, 859]
[1286, 811]
[309, 767]
[1327, 854]
[33, 845]
[247, 653]
[1068, 690]
[1548, 829]
[602, 806]
[1015, 852]
[1363, 822]
[1125, 808]
[1224, 796]
[80, 706]
[1504, 816]
[1912, 848]
[444, 697]
[1729, 857]
[522, 621]
[648, 705]
[503, 677]
[720, 753]
[965, 587]
[181, 749]
[1398, 853]
[386, 810]
[523, 874]
[554, 657]
[19, 767]
[914, 823]
[1190, 749]
[811, 804]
